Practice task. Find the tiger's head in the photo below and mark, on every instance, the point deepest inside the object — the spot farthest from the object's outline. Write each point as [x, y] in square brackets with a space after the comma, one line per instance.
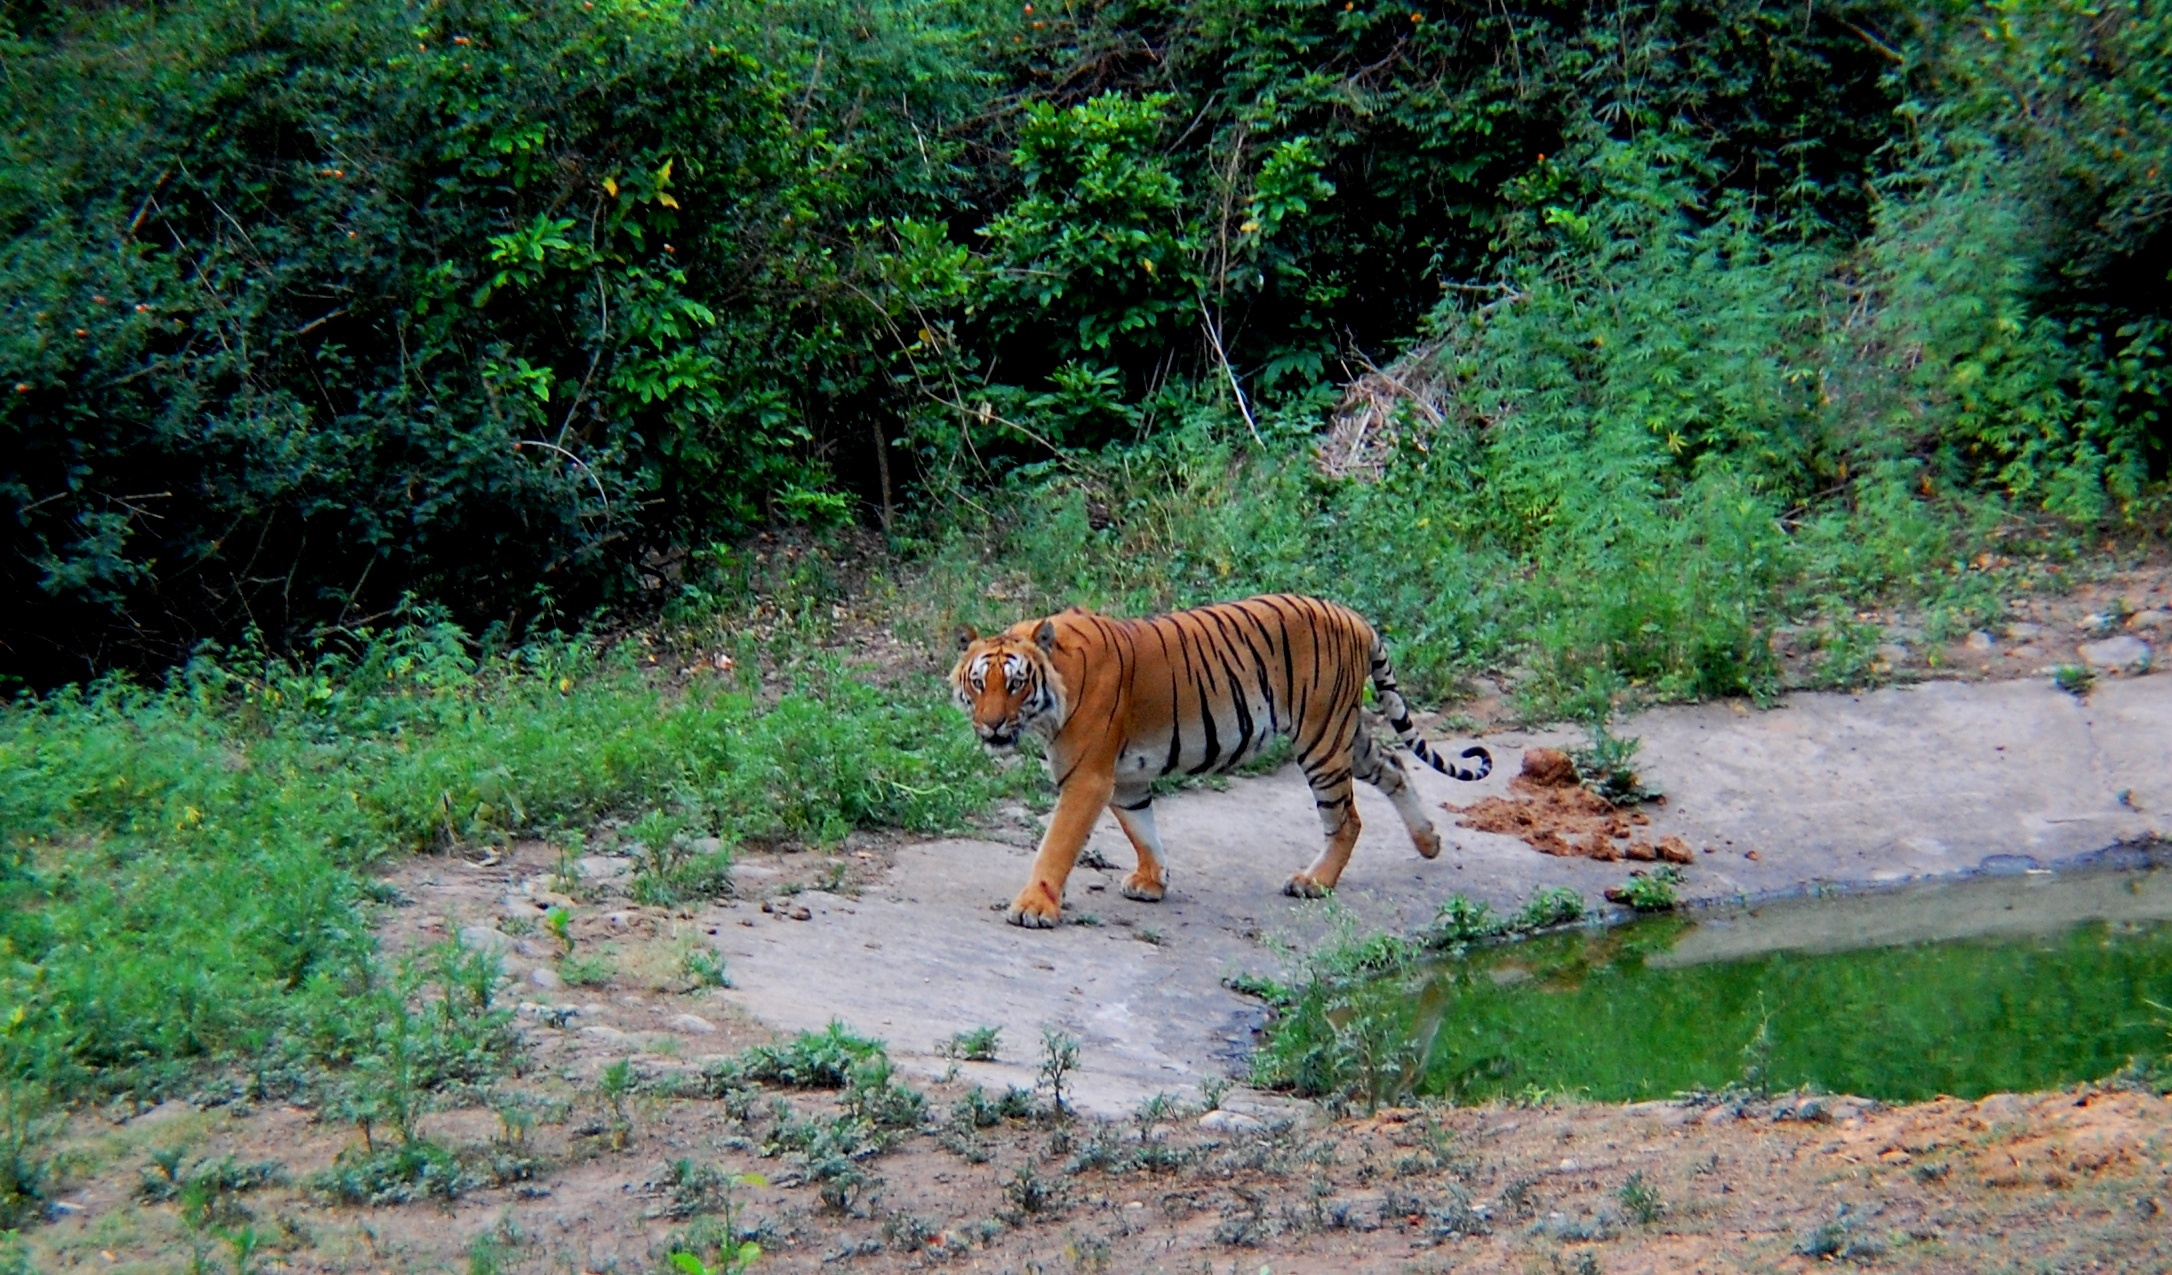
[1007, 684]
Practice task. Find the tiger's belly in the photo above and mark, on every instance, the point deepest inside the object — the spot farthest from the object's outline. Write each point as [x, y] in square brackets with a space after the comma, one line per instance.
[1199, 745]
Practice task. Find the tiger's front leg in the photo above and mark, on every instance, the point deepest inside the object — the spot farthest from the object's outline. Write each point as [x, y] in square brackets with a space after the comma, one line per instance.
[1040, 905]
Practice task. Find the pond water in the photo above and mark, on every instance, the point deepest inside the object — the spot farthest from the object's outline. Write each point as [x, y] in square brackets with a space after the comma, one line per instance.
[1964, 988]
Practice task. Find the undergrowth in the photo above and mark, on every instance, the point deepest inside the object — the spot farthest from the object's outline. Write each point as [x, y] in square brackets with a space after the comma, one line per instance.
[185, 867]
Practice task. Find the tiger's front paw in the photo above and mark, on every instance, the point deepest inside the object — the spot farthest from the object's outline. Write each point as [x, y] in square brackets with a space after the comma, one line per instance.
[1301, 886]
[1428, 843]
[1142, 887]
[1035, 908]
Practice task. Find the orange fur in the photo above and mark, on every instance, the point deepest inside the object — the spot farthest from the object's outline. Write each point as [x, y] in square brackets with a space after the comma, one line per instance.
[1123, 702]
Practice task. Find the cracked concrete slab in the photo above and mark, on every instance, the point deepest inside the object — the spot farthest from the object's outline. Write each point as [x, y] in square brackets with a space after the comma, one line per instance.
[1929, 780]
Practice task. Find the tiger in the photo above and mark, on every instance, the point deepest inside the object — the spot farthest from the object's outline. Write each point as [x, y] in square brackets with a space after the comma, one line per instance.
[1121, 703]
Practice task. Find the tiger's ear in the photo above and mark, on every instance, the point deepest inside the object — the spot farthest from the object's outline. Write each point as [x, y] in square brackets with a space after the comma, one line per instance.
[966, 636]
[1045, 636]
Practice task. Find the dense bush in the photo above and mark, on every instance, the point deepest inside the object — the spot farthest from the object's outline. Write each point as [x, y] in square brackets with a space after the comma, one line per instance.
[311, 306]
[517, 307]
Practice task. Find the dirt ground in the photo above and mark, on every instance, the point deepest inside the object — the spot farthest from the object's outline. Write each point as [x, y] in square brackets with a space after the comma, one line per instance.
[2071, 1181]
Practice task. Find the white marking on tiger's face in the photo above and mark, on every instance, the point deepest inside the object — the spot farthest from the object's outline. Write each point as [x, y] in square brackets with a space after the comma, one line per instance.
[1007, 686]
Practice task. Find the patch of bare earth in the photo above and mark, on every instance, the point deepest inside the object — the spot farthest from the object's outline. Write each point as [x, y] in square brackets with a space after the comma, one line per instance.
[2066, 1181]
[1551, 811]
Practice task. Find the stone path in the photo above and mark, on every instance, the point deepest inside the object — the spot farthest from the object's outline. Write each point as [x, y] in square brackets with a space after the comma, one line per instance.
[1928, 780]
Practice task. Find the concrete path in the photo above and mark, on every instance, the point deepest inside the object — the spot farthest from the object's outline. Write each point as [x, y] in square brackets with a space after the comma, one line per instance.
[1928, 780]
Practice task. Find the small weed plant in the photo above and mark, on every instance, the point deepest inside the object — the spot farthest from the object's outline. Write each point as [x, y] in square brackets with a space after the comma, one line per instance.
[1656, 891]
[1059, 1058]
[1640, 1200]
[978, 1045]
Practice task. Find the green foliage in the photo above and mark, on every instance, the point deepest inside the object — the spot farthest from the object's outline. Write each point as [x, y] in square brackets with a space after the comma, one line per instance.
[979, 1111]
[810, 1060]
[1650, 891]
[1059, 1058]
[26, 1166]
[1641, 1200]
[1554, 905]
[312, 306]
[183, 867]
[413, 1170]
[706, 968]
[978, 1045]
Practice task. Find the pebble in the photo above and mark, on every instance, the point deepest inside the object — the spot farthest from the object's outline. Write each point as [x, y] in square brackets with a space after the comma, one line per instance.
[545, 978]
[2154, 620]
[1231, 1122]
[606, 1035]
[1980, 640]
[2023, 631]
[482, 938]
[1893, 653]
[2123, 654]
[694, 1023]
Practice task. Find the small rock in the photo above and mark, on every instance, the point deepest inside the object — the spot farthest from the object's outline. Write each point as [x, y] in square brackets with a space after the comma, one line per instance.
[694, 1023]
[1980, 640]
[2123, 654]
[616, 920]
[1722, 1114]
[606, 1035]
[600, 867]
[1675, 850]
[802, 914]
[1231, 1122]
[1893, 653]
[2097, 623]
[2023, 631]
[481, 938]
[2154, 620]
[1548, 767]
[545, 978]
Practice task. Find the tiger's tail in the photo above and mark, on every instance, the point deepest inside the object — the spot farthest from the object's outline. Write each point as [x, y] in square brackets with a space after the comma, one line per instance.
[1398, 715]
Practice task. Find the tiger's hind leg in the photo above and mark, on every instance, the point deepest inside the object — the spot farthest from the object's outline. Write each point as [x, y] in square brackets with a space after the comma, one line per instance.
[1135, 813]
[1327, 770]
[1384, 770]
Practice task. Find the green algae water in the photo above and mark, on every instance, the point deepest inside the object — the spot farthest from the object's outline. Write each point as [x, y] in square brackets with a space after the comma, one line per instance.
[2009, 983]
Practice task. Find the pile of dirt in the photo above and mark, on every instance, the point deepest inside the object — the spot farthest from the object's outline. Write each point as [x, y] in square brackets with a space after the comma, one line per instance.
[1553, 813]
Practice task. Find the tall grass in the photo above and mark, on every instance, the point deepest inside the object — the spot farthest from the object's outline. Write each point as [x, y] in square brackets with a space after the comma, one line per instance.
[180, 860]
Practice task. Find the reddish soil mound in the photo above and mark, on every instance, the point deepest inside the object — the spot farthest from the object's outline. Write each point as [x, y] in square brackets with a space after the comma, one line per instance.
[1554, 814]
